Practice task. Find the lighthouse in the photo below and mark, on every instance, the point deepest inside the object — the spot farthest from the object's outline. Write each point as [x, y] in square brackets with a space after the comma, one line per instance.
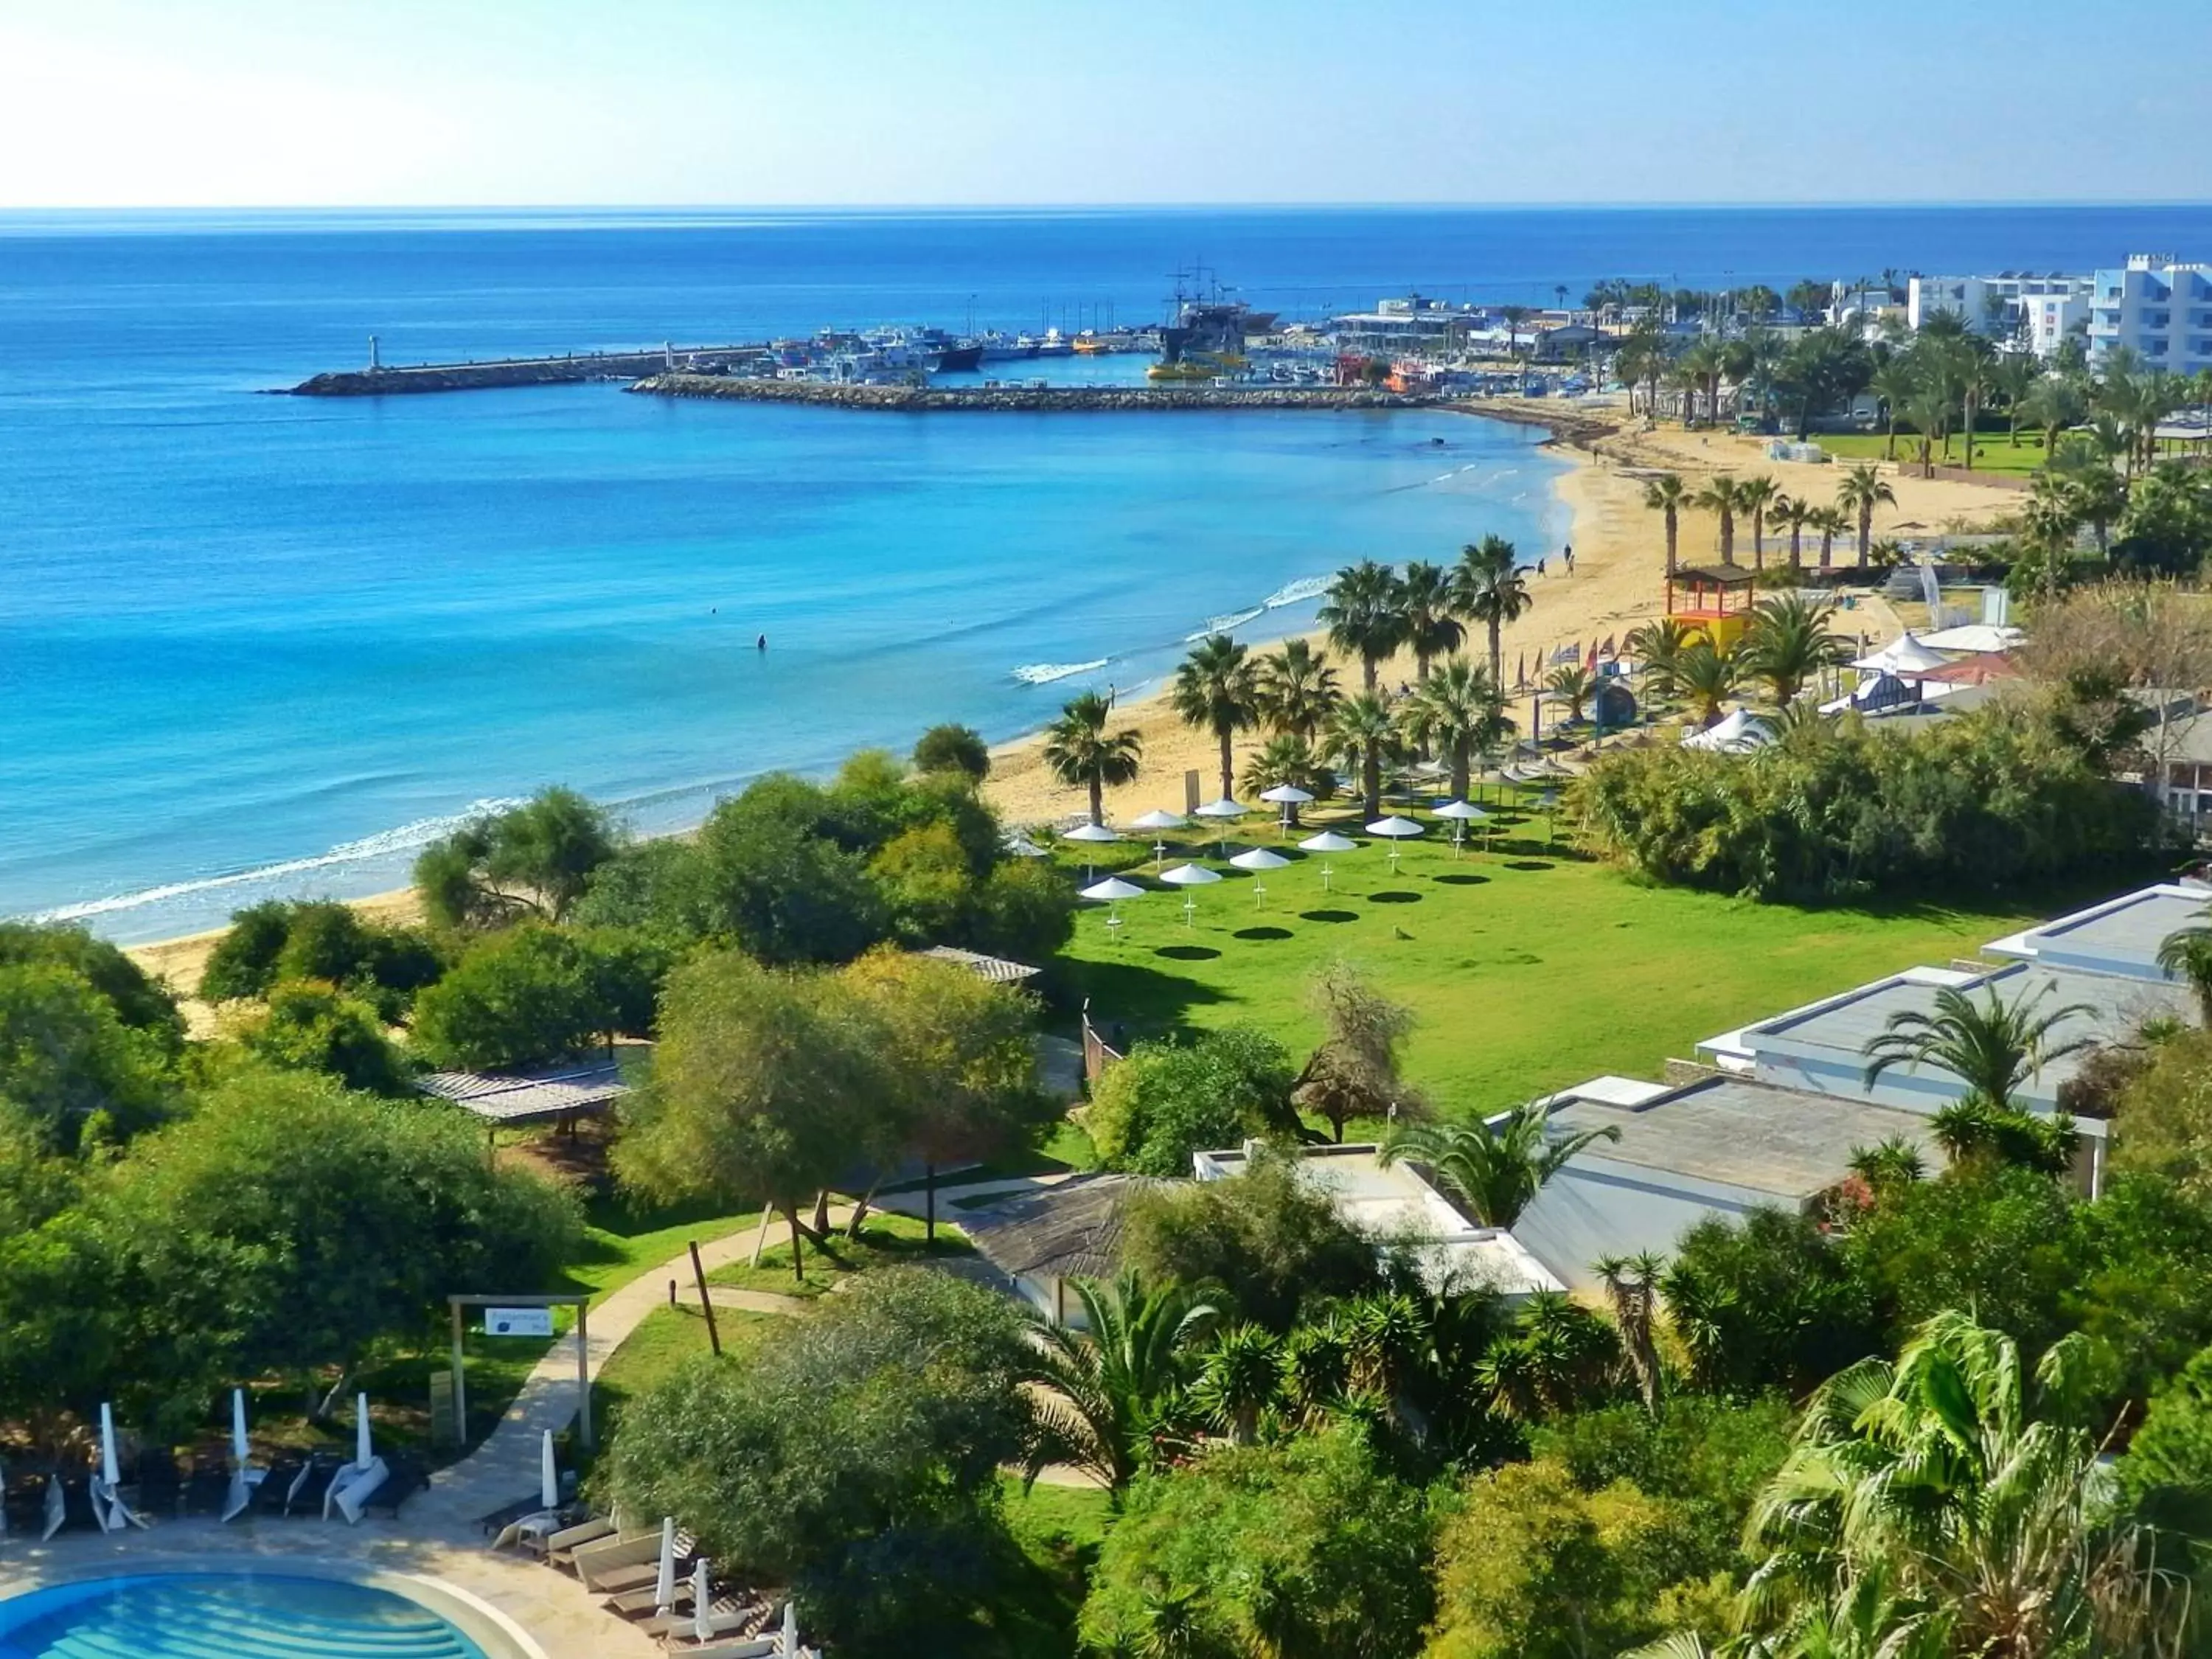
[375, 364]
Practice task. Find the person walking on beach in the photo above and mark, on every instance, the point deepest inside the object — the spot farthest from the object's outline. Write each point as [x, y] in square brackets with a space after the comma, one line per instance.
[1567, 553]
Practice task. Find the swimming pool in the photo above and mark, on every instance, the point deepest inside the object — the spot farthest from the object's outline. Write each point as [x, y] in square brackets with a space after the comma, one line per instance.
[206, 1615]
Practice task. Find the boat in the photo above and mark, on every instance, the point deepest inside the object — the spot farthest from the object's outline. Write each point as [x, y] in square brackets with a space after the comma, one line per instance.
[1005, 347]
[1050, 344]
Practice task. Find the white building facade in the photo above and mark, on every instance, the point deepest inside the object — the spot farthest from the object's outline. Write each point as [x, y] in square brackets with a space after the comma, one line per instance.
[2157, 308]
[2037, 310]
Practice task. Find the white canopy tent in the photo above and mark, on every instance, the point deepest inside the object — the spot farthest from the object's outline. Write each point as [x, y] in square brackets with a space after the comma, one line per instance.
[1904, 656]
[1739, 733]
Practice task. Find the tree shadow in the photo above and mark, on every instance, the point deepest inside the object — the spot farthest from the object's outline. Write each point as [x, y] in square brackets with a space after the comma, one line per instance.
[1393, 895]
[1138, 995]
[1462, 878]
[1186, 952]
[1261, 932]
[1329, 915]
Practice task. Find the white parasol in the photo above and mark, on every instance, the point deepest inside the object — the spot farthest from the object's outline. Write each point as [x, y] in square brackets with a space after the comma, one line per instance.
[1905, 656]
[702, 1603]
[1159, 818]
[549, 1474]
[1395, 828]
[663, 1582]
[1112, 890]
[1259, 858]
[1329, 842]
[1190, 875]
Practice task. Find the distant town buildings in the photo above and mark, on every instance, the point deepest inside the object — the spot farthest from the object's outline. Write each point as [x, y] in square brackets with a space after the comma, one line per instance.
[2156, 307]
[2037, 310]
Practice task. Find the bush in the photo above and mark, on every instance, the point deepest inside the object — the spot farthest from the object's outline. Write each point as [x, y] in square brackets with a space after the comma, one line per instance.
[1168, 1100]
[958, 748]
[313, 1026]
[1767, 1301]
[71, 1063]
[292, 939]
[536, 994]
[1982, 802]
[1305, 1547]
[140, 1002]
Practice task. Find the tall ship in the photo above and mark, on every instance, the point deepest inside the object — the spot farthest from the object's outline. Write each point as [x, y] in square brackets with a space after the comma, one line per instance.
[1206, 340]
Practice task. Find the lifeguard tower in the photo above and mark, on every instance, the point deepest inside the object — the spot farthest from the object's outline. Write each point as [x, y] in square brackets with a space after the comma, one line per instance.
[1711, 599]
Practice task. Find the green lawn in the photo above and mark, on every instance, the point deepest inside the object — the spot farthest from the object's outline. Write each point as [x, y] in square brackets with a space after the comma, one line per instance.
[1529, 970]
[885, 1240]
[1993, 452]
[621, 1242]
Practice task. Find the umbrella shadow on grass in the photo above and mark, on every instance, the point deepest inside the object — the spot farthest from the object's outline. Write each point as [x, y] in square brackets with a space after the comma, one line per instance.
[1329, 915]
[1393, 895]
[1186, 952]
[1462, 878]
[1261, 932]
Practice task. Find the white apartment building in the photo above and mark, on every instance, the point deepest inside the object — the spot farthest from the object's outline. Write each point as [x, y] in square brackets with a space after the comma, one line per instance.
[2157, 308]
[2012, 304]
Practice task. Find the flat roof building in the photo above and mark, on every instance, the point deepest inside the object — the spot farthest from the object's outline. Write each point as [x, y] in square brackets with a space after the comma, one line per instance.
[2120, 937]
[2157, 308]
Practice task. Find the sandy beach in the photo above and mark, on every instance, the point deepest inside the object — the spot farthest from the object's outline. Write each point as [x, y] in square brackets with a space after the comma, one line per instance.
[1619, 558]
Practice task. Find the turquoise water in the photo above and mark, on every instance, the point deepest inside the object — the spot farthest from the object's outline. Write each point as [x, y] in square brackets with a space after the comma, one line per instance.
[223, 1616]
[252, 645]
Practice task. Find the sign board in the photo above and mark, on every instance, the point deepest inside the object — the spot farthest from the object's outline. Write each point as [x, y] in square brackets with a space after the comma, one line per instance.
[518, 1321]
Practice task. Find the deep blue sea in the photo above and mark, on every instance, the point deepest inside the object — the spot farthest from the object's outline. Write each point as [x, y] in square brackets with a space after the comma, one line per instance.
[253, 644]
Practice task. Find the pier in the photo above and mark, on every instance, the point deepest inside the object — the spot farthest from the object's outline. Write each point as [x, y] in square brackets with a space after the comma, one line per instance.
[1029, 399]
[378, 379]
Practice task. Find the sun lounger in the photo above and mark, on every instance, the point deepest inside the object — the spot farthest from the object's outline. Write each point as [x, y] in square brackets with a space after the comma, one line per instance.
[559, 1548]
[313, 1484]
[645, 1603]
[597, 1565]
[157, 1485]
[275, 1487]
[404, 1477]
[206, 1489]
[729, 1621]
[752, 1647]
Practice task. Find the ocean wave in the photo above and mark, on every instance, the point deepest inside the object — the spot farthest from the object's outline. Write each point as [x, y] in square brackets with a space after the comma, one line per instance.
[1298, 592]
[1044, 673]
[407, 838]
[1222, 624]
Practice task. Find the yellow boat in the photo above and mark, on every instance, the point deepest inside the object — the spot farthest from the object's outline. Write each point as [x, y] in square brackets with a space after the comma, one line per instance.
[1182, 371]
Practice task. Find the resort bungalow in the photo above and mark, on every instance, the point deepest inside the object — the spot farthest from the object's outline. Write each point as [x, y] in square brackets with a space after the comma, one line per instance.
[1721, 1147]
[1406, 1215]
[2120, 937]
[1042, 1242]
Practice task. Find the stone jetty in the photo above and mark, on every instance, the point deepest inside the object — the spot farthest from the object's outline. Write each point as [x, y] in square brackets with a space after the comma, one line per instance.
[1026, 399]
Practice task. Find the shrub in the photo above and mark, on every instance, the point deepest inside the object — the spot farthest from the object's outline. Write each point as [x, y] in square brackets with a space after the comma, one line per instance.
[958, 748]
[1168, 1100]
[536, 994]
[311, 1026]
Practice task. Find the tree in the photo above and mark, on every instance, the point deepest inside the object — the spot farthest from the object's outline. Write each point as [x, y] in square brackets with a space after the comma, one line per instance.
[1355, 1072]
[1289, 1550]
[1459, 712]
[70, 1064]
[1214, 690]
[283, 939]
[1708, 678]
[1992, 1047]
[285, 1224]
[1168, 1100]
[1115, 1383]
[1295, 689]
[1970, 1491]
[1360, 734]
[1723, 496]
[1287, 759]
[1823, 368]
[310, 1025]
[2054, 405]
[1571, 683]
[763, 1082]
[1084, 755]
[1756, 497]
[1795, 512]
[855, 1458]
[1657, 647]
[2167, 1470]
[1665, 495]
[1929, 411]
[1862, 491]
[1788, 643]
[956, 749]
[1768, 1301]
[1272, 1243]
[1896, 383]
[961, 1055]
[140, 1002]
[1494, 1168]
[532, 860]
[1365, 614]
[1489, 587]
[1432, 630]
[535, 994]
[775, 871]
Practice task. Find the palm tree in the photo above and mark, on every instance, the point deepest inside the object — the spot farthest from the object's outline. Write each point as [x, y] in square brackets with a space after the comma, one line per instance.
[1962, 1500]
[1708, 678]
[1554, 1357]
[2054, 405]
[1457, 710]
[1929, 411]
[1489, 587]
[2014, 378]
[1286, 758]
[1216, 691]
[1360, 735]
[1365, 616]
[1295, 689]
[1831, 522]
[1992, 1046]
[1112, 1385]
[1896, 382]
[1891, 1162]
[2050, 522]
[1666, 494]
[1426, 600]
[1631, 1286]
[1721, 494]
[1795, 512]
[1239, 1378]
[2098, 498]
[1658, 646]
[1572, 684]
[1971, 385]
[1755, 496]
[1788, 643]
[1862, 491]
[2186, 954]
[1493, 1168]
[1083, 754]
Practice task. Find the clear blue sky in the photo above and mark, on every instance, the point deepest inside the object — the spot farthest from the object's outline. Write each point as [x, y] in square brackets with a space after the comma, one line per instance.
[374, 103]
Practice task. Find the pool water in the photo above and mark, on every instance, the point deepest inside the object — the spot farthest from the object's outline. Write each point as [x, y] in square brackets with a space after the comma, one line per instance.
[224, 1616]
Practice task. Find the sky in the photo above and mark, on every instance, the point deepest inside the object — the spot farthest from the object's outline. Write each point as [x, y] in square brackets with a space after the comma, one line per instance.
[233, 103]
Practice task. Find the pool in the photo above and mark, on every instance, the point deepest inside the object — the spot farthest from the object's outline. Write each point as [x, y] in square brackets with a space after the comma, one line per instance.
[207, 1615]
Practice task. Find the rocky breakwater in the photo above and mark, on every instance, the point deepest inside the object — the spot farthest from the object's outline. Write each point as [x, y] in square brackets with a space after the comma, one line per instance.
[1026, 398]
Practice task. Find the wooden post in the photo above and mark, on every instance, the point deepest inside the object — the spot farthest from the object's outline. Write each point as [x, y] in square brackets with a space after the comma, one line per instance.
[460, 1384]
[706, 1302]
[584, 1374]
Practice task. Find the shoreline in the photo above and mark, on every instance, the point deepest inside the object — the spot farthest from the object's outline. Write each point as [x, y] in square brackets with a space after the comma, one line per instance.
[1619, 558]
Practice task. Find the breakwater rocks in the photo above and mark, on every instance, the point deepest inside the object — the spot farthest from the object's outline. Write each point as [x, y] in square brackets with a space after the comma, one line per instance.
[519, 371]
[1025, 399]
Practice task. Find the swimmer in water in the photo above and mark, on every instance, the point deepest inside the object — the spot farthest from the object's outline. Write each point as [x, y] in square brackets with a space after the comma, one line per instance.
[761, 644]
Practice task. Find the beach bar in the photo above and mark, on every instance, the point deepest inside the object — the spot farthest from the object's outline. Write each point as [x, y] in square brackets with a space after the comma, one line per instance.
[1711, 599]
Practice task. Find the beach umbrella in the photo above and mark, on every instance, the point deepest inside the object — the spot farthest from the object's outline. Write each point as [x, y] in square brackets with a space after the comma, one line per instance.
[1461, 813]
[1112, 890]
[361, 1455]
[549, 1474]
[790, 1631]
[1395, 829]
[1257, 859]
[240, 1448]
[1023, 848]
[1159, 818]
[1329, 842]
[702, 1603]
[1290, 797]
[1190, 875]
[110, 1470]
[663, 1582]
[1095, 835]
[1221, 811]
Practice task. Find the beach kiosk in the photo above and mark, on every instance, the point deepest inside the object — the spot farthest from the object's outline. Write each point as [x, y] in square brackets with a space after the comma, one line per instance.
[1714, 601]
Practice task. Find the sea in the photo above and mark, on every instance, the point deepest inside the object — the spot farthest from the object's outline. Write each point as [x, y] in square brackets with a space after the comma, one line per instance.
[254, 645]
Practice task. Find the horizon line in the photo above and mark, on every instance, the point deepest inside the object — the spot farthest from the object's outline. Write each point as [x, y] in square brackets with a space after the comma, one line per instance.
[1408, 206]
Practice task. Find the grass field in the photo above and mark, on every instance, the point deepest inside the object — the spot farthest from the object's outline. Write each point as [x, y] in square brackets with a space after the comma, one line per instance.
[1993, 451]
[885, 1240]
[1529, 971]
